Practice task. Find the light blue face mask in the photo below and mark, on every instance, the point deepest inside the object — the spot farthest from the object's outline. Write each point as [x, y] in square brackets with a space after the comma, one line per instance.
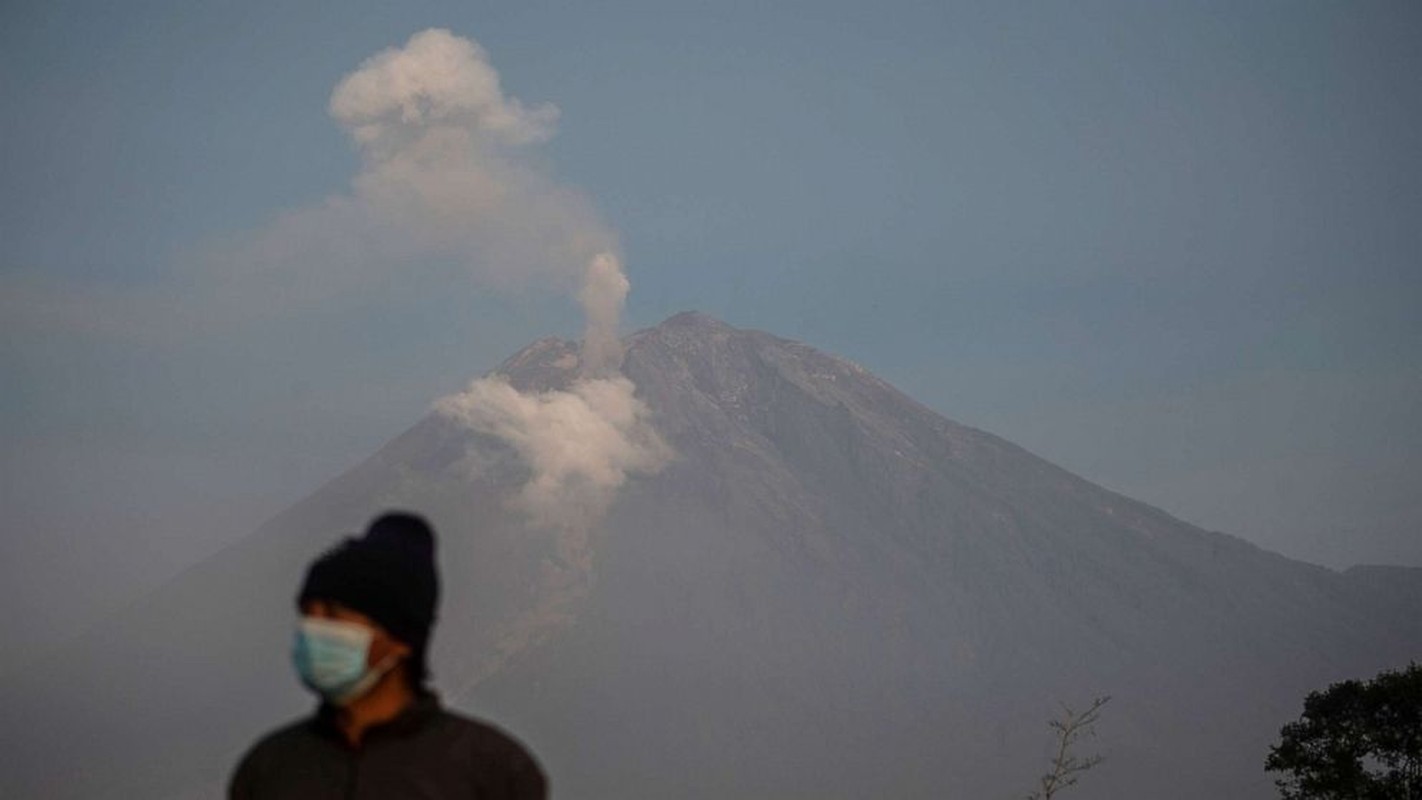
[330, 656]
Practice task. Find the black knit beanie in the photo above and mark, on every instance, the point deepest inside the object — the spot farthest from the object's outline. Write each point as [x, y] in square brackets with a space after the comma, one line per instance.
[388, 575]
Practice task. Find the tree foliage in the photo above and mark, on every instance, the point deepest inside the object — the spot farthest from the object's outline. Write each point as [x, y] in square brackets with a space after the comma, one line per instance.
[1067, 766]
[1356, 739]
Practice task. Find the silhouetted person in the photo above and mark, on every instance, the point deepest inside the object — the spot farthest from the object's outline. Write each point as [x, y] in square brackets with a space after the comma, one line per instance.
[367, 609]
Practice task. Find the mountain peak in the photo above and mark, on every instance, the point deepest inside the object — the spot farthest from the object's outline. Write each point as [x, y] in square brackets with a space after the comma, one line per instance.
[693, 319]
[685, 326]
[552, 363]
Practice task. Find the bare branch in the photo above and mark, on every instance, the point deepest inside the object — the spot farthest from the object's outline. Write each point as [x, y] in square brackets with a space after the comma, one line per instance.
[1066, 766]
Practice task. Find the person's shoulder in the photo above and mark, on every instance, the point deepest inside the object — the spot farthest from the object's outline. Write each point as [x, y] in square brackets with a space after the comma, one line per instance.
[498, 751]
[482, 734]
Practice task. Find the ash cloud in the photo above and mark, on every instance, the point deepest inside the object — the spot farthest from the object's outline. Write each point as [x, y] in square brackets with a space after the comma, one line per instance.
[581, 444]
[603, 293]
[450, 187]
[444, 165]
[448, 165]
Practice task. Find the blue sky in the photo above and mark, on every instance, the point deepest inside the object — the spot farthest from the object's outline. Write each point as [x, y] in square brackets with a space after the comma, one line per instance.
[1171, 247]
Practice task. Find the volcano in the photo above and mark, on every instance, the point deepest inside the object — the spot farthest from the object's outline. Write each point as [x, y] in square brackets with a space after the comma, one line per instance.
[829, 591]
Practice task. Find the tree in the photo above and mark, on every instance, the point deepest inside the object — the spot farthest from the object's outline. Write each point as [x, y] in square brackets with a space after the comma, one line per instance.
[1066, 765]
[1356, 739]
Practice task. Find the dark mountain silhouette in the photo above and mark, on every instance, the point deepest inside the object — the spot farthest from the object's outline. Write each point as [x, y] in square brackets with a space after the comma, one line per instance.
[832, 591]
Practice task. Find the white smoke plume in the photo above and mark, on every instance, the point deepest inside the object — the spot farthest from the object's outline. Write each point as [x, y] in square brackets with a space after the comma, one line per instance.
[451, 185]
[447, 166]
[603, 293]
[445, 171]
[581, 444]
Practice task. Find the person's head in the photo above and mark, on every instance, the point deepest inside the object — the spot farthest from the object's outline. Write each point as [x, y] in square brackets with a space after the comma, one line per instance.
[376, 595]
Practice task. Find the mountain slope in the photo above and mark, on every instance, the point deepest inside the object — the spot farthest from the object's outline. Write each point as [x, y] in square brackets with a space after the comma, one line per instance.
[831, 591]
[845, 562]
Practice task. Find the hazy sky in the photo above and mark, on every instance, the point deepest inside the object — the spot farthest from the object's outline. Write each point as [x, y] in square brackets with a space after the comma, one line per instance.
[1173, 248]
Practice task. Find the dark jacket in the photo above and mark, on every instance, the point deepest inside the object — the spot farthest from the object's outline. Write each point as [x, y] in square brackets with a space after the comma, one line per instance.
[426, 753]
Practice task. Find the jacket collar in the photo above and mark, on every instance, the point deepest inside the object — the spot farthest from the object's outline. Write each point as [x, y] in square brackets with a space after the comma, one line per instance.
[411, 720]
